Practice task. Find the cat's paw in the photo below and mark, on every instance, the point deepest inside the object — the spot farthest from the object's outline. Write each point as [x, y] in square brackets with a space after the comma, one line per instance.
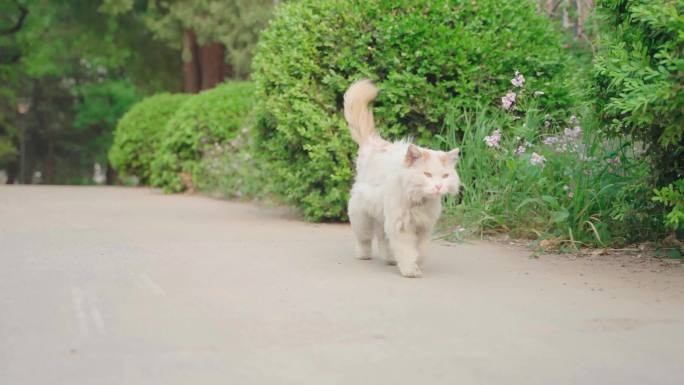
[411, 271]
[363, 257]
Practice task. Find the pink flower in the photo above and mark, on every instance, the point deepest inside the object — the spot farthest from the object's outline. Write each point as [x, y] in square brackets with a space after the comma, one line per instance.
[567, 141]
[569, 191]
[508, 100]
[493, 139]
[537, 160]
[518, 80]
[520, 150]
[551, 140]
[573, 133]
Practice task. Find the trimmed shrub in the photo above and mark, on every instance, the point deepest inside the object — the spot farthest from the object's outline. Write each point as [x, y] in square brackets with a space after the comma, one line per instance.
[139, 133]
[211, 117]
[639, 77]
[425, 56]
[230, 170]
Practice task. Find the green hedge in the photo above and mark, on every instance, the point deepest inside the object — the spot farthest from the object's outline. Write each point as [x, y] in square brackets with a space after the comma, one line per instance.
[639, 77]
[425, 55]
[139, 132]
[211, 117]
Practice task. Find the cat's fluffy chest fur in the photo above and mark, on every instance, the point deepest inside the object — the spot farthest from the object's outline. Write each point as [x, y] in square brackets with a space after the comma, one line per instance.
[396, 196]
[380, 189]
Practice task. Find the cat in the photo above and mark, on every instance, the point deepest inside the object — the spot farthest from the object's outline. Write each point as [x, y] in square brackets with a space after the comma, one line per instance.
[397, 193]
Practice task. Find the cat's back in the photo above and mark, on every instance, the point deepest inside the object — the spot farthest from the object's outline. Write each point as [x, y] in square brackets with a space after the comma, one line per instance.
[380, 161]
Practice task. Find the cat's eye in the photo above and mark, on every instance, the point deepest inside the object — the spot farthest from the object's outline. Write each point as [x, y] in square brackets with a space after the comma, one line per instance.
[445, 176]
[427, 174]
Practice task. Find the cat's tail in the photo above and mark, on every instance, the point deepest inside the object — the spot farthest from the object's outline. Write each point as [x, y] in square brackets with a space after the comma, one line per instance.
[356, 111]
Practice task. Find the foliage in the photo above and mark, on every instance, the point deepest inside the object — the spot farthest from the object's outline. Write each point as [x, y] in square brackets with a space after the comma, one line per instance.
[80, 69]
[231, 169]
[7, 150]
[233, 23]
[97, 110]
[8, 134]
[425, 56]
[103, 103]
[211, 117]
[639, 77]
[536, 178]
[139, 133]
[672, 196]
[70, 38]
[12, 21]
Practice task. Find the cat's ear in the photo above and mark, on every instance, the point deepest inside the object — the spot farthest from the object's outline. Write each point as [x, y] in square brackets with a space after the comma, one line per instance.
[453, 155]
[413, 153]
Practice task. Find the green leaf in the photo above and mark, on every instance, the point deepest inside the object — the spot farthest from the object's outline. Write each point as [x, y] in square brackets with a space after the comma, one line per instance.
[559, 216]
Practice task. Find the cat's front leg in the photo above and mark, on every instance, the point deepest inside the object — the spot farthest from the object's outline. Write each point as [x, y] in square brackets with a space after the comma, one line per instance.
[404, 245]
[424, 235]
[423, 241]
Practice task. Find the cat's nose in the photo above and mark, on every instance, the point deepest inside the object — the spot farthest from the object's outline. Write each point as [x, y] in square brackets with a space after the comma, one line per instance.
[438, 187]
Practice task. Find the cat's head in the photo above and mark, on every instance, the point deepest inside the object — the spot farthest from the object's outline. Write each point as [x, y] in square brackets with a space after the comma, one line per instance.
[430, 173]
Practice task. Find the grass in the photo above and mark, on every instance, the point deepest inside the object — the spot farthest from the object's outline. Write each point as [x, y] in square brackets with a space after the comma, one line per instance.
[572, 186]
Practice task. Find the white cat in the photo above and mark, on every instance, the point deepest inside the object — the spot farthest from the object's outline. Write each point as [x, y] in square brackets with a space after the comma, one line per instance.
[397, 194]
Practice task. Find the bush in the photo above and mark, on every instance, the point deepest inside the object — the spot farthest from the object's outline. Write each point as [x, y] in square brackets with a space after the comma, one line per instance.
[672, 196]
[213, 116]
[640, 80]
[139, 132]
[425, 55]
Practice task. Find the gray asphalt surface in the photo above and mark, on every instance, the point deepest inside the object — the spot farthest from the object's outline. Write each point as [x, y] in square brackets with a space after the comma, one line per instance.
[129, 286]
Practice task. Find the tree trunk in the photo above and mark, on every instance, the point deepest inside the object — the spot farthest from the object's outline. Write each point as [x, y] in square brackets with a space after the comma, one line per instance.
[50, 162]
[584, 9]
[566, 16]
[12, 172]
[206, 66]
[212, 65]
[111, 176]
[191, 69]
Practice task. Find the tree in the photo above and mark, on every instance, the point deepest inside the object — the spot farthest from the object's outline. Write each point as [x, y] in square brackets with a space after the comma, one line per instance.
[12, 21]
[216, 38]
[81, 68]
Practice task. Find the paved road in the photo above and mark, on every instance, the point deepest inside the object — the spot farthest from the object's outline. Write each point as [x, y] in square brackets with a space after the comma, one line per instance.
[130, 286]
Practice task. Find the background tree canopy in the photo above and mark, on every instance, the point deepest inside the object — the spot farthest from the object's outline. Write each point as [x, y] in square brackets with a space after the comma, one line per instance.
[216, 37]
[80, 69]
[81, 64]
